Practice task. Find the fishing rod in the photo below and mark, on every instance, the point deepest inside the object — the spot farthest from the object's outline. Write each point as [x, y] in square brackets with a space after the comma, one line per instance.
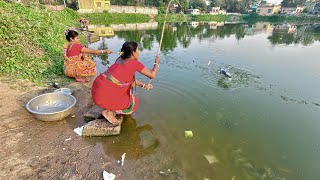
[164, 24]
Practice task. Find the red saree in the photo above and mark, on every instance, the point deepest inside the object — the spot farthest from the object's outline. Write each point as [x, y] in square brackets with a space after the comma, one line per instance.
[117, 96]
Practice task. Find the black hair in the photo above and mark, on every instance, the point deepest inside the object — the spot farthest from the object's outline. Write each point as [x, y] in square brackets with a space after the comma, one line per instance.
[71, 34]
[127, 49]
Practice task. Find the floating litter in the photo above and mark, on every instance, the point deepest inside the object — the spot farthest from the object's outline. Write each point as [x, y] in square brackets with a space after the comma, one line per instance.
[211, 159]
[209, 63]
[108, 176]
[225, 73]
[188, 134]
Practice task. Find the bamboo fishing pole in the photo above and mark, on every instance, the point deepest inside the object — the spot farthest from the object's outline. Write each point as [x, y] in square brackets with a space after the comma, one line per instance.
[164, 24]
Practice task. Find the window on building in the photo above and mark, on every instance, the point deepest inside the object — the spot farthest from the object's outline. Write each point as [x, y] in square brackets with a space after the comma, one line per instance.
[98, 4]
[269, 10]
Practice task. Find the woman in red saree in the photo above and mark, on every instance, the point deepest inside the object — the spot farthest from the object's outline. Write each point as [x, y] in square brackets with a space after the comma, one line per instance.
[113, 90]
[77, 63]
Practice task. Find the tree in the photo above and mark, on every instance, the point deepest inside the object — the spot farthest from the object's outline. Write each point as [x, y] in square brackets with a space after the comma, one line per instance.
[198, 4]
[185, 4]
[288, 3]
[213, 3]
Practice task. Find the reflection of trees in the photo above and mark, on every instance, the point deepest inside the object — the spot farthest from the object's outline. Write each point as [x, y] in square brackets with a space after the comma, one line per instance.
[182, 33]
[143, 37]
[169, 41]
[304, 35]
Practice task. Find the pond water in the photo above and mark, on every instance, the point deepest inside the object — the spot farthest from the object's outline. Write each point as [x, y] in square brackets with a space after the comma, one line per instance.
[262, 123]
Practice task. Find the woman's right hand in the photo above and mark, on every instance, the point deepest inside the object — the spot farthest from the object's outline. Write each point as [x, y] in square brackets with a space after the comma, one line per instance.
[157, 59]
[108, 51]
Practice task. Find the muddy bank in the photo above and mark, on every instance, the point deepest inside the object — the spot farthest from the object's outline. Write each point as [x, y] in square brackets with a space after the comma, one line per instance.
[33, 149]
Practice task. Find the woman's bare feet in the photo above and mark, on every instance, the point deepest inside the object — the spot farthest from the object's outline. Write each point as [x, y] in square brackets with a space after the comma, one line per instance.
[110, 117]
[80, 80]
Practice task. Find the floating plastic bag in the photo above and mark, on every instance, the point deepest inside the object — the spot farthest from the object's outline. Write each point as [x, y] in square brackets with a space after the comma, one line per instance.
[211, 159]
[188, 134]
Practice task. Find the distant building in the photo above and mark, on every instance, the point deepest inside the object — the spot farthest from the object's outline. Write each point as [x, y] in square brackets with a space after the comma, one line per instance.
[313, 7]
[291, 10]
[300, 9]
[94, 4]
[288, 10]
[253, 8]
[216, 10]
[193, 11]
[90, 6]
[268, 10]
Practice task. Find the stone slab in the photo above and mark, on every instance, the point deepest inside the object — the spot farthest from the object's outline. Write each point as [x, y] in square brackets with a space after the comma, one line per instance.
[93, 113]
[101, 127]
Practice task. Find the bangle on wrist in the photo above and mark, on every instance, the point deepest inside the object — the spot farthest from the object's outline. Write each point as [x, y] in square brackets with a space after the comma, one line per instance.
[156, 64]
[144, 84]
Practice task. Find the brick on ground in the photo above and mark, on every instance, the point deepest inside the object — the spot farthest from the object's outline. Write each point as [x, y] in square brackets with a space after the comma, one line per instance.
[101, 127]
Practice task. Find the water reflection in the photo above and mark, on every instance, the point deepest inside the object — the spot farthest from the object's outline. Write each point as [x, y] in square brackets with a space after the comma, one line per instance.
[182, 33]
[136, 141]
[254, 113]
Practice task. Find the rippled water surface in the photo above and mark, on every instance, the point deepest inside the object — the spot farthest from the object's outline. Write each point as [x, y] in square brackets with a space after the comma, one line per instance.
[262, 123]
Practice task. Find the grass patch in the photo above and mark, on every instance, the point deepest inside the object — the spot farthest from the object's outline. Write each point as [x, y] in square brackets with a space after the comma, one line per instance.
[189, 17]
[253, 18]
[208, 18]
[31, 41]
[173, 18]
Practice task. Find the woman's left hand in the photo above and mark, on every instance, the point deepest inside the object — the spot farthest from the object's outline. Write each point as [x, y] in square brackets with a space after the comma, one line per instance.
[148, 86]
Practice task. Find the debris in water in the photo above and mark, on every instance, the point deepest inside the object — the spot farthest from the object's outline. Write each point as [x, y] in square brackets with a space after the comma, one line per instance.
[225, 72]
[209, 63]
[108, 176]
[188, 134]
[211, 159]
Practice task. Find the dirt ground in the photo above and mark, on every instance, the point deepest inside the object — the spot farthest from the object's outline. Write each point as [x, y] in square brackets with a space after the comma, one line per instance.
[33, 149]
